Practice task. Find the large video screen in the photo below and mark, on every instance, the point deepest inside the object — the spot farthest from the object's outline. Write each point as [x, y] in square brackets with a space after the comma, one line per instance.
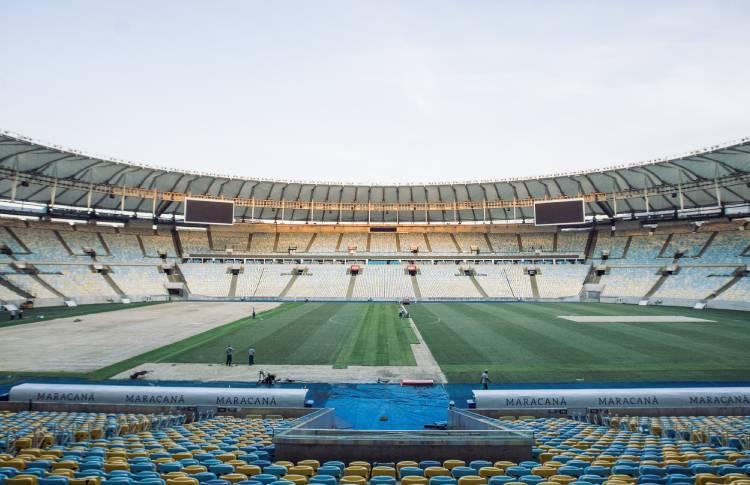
[200, 211]
[559, 212]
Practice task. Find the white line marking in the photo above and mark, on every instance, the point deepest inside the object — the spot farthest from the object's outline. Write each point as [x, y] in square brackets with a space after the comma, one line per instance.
[634, 319]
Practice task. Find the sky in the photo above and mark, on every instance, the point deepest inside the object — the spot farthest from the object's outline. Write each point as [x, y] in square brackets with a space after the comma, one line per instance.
[377, 91]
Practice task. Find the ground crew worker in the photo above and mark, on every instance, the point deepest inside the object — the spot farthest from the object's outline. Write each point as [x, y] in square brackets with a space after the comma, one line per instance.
[485, 379]
[229, 351]
[251, 356]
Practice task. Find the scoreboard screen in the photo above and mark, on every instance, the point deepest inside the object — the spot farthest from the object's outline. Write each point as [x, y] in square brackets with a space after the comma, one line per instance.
[559, 212]
[202, 211]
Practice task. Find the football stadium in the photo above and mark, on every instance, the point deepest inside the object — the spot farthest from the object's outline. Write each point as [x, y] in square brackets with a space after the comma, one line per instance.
[176, 326]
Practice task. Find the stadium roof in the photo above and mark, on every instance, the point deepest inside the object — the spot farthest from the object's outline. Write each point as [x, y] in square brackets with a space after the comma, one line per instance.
[31, 171]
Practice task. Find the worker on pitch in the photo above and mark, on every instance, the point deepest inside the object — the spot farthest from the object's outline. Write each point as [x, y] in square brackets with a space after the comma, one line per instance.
[229, 350]
[485, 379]
[250, 356]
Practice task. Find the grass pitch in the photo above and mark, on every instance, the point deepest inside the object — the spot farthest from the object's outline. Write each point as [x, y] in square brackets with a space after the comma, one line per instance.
[529, 343]
[335, 334]
[517, 342]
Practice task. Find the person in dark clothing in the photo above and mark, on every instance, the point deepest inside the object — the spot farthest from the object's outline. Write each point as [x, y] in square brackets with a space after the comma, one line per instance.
[229, 351]
[253, 313]
[251, 356]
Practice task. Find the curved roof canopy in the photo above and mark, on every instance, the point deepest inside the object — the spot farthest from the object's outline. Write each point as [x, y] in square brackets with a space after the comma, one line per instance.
[34, 172]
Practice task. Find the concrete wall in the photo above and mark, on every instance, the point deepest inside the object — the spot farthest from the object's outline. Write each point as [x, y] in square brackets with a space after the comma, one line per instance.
[473, 437]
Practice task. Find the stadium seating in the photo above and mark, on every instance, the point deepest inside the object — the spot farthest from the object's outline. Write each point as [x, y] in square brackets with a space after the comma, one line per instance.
[354, 239]
[153, 244]
[504, 281]
[628, 282]
[207, 279]
[635, 255]
[645, 248]
[504, 243]
[383, 243]
[287, 240]
[727, 247]
[572, 241]
[5, 293]
[543, 242]
[560, 281]
[383, 281]
[7, 239]
[411, 240]
[43, 244]
[322, 281]
[59, 448]
[694, 283]
[138, 281]
[122, 247]
[274, 279]
[194, 242]
[325, 242]
[613, 245]
[444, 281]
[30, 285]
[262, 243]
[223, 240]
[248, 279]
[690, 244]
[76, 281]
[468, 241]
[740, 291]
[441, 242]
[83, 238]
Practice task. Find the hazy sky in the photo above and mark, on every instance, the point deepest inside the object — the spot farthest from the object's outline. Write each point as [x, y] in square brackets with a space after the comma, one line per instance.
[378, 91]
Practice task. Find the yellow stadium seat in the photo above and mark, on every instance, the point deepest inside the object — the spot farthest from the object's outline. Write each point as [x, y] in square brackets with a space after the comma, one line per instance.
[67, 464]
[414, 480]
[305, 470]
[354, 480]
[248, 470]
[544, 471]
[471, 480]
[22, 480]
[436, 471]
[357, 471]
[451, 464]
[182, 481]
[234, 477]
[490, 471]
[562, 479]
[116, 465]
[383, 471]
[297, 479]
[704, 478]
[361, 463]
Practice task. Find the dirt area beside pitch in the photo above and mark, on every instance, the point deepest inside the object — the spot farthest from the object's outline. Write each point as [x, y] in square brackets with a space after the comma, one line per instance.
[93, 341]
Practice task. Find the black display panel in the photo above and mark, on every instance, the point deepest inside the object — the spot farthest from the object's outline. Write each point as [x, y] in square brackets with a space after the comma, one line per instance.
[559, 212]
[199, 211]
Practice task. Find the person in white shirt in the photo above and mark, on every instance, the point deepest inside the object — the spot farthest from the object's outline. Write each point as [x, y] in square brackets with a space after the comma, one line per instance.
[485, 379]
